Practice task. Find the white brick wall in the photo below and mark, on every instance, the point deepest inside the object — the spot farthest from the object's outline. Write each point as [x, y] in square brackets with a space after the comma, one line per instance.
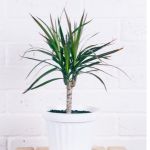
[3, 143]
[122, 117]
[38, 141]
[21, 124]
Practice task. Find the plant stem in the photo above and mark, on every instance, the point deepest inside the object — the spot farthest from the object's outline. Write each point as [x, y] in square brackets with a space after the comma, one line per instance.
[69, 98]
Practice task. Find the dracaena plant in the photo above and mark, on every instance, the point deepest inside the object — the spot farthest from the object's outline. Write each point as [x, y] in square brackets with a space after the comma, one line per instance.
[66, 56]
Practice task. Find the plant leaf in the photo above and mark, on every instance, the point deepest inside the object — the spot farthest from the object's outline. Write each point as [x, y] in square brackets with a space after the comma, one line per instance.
[117, 68]
[46, 82]
[41, 26]
[40, 77]
[97, 69]
[35, 67]
[97, 78]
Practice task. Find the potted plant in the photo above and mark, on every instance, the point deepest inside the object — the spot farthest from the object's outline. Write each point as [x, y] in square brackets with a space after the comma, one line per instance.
[69, 128]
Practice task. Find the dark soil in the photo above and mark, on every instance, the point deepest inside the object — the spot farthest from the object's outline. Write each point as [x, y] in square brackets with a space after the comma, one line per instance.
[73, 111]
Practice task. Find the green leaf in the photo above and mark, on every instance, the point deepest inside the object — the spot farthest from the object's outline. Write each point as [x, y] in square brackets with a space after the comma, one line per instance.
[90, 50]
[108, 65]
[39, 78]
[69, 24]
[103, 55]
[41, 26]
[52, 24]
[35, 59]
[45, 61]
[66, 52]
[97, 78]
[108, 53]
[42, 51]
[87, 65]
[61, 33]
[52, 33]
[35, 67]
[46, 82]
[97, 69]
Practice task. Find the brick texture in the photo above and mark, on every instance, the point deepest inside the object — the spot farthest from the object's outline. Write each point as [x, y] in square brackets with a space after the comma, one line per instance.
[3, 143]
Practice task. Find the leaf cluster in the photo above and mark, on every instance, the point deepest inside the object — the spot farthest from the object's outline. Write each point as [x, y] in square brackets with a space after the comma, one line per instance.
[65, 54]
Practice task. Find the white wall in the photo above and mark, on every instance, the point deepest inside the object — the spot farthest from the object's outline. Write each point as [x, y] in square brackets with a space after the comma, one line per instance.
[123, 108]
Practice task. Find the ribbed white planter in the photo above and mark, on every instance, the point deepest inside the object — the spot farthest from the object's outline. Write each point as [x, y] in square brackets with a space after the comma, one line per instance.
[71, 131]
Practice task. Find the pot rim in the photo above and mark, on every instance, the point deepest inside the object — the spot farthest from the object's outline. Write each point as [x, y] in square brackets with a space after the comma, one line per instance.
[68, 118]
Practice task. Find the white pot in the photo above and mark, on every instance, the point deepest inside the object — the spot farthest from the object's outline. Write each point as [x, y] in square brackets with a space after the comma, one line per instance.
[71, 131]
